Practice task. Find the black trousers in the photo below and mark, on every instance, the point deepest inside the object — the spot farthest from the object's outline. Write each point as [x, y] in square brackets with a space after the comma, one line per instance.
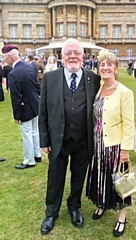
[78, 155]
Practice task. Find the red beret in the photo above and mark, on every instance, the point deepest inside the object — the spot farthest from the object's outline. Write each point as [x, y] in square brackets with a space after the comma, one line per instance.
[8, 48]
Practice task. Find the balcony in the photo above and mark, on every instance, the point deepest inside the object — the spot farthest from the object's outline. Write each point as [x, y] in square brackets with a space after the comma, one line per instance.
[114, 40]
[25, 40]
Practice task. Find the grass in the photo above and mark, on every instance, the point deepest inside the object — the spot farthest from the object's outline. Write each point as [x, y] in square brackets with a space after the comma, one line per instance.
[22, 193]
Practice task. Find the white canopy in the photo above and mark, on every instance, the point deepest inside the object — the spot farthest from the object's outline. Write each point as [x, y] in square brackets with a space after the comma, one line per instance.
[56, 45]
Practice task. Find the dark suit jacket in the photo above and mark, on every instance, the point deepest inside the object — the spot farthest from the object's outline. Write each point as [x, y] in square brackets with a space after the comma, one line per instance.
[7, 69]
[1, 89]
[51, 115]
[24, 92]
[35, 68]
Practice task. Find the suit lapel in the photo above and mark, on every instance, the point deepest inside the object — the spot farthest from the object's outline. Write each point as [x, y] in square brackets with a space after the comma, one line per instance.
[89, 91]
[61, 88]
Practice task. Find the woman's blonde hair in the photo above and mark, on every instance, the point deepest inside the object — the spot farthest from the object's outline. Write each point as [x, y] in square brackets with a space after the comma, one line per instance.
[110, 56]
[51, 60]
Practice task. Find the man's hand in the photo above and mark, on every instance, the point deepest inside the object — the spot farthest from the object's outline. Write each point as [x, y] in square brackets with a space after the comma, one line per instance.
[17, 121]
[47, 150]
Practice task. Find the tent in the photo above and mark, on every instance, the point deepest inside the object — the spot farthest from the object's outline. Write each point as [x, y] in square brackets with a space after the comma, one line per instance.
[56, 45]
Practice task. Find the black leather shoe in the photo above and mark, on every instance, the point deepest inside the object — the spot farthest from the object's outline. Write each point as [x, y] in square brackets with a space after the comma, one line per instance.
[2, 159]
[76, 218]
[48, 224]
[23, 166]
[38, 159]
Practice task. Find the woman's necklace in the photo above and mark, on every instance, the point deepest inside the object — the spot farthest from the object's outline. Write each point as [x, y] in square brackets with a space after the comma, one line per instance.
[108, 88]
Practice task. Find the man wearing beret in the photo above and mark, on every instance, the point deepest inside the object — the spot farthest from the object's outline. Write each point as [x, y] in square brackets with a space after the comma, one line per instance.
[25, 103]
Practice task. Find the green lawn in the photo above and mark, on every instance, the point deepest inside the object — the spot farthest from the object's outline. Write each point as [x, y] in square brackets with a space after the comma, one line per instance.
[22, 192]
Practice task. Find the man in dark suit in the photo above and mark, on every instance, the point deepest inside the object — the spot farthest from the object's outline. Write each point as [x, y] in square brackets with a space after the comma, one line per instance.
[1, 96]
[6, 70]
[1, 89]
[30, 59]
[25, 104]
[66, 129]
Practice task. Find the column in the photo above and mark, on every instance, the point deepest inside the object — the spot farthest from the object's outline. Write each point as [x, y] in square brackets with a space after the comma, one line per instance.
[1, 24]
[78, 21]
[65, 20]
[89, 22]
[53, 21]
[49, 28]
[123, 30]
[110, 31]
[93, 23]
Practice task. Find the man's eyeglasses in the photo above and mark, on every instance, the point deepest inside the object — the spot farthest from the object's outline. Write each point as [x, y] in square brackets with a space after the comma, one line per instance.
[72, 52]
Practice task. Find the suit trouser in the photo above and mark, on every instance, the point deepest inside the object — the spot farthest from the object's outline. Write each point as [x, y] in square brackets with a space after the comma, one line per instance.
[78, 153]
[30, 138]
[134, 72]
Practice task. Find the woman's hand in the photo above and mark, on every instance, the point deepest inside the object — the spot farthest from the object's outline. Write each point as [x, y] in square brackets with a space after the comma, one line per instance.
[124, 156]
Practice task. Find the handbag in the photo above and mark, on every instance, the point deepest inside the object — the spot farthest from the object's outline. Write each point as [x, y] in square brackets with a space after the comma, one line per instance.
[124, 182]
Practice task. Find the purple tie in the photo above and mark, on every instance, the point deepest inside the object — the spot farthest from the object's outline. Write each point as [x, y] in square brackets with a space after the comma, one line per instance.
[73, 83]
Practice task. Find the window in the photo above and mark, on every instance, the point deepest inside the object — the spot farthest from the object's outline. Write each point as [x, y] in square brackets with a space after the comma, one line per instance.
[116, 32]
[129, 52]
[83, 30]
[71, 30]
[60, 30]
[130, 31]
[27, 32]
[13, 32]
[103, 32]
[116, 52]
[41, 32]
[28, 51]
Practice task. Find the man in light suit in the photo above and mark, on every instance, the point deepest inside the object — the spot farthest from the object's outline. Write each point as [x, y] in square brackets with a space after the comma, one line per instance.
[66, 129]
[25, 104]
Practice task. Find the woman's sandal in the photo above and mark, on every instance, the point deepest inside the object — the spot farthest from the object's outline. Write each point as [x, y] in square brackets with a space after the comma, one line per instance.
[96, 214]
[118, 233]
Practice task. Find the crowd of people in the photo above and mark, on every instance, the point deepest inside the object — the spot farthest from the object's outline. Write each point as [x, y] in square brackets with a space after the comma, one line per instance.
[131, 69]
[76, 115]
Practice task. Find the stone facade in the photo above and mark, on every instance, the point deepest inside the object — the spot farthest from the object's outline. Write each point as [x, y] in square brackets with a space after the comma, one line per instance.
[94, 16]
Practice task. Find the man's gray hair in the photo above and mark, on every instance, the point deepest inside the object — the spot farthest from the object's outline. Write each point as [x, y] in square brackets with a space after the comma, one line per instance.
[72, 41]
[14, 53]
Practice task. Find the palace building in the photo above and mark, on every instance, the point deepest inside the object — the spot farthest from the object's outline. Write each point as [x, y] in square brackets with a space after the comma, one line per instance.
[31, 24]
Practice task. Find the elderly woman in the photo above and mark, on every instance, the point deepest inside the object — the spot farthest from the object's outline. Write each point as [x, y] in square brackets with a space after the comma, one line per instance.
[113, 138]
